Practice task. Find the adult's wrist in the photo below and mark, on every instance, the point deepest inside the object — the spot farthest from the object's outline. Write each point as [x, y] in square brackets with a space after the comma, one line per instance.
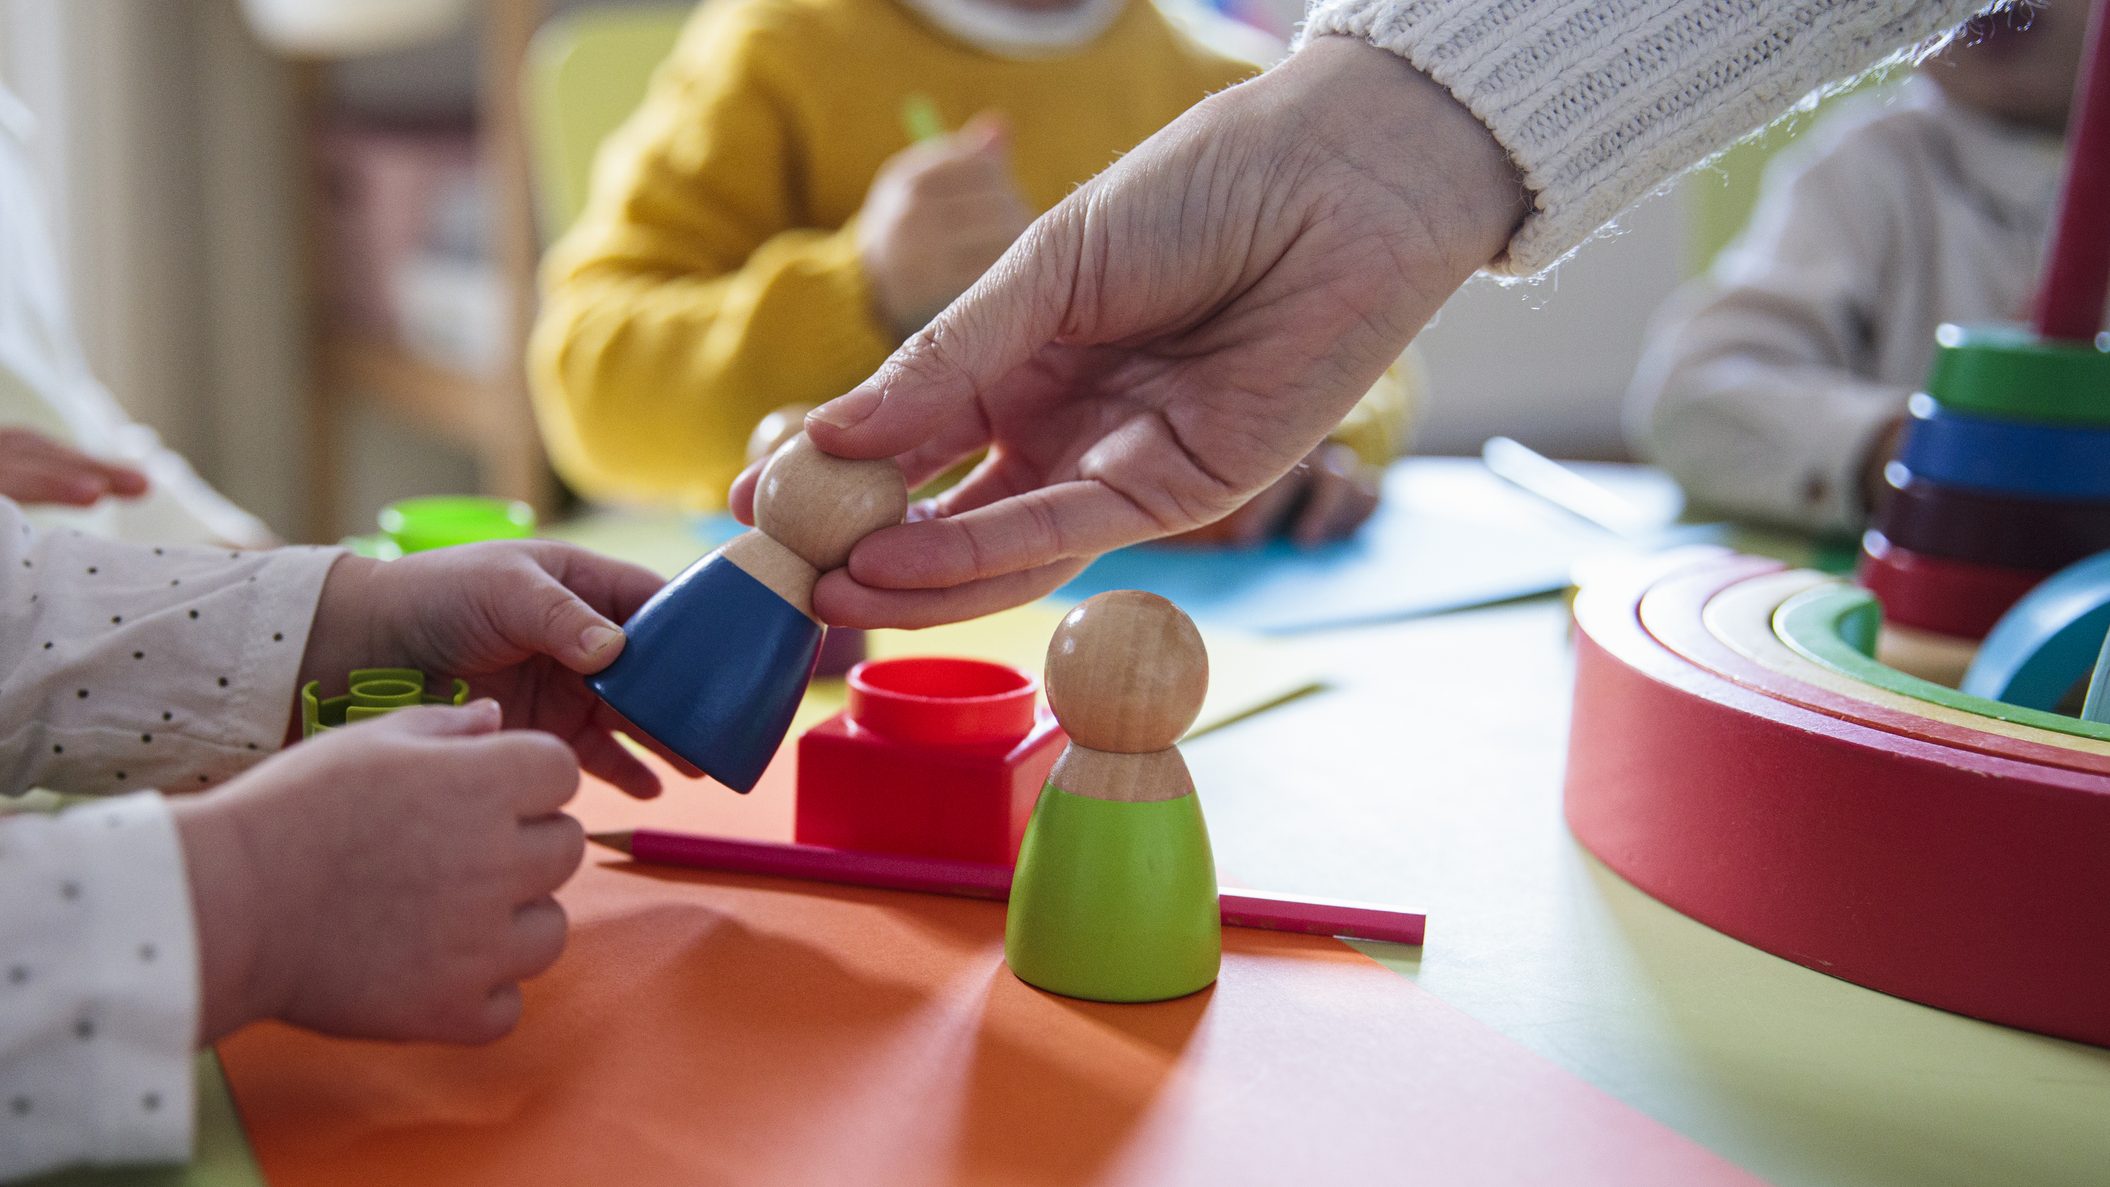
[1391, 122]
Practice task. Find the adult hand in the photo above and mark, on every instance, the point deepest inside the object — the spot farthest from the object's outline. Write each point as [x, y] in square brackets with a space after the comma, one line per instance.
[1174, 336]
[36, 469]
[936, 217]
[521, 622]
[391, 880]
[1325, 497]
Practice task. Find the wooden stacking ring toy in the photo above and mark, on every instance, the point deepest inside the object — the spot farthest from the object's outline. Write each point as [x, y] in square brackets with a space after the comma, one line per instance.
[1888, 847]
[2009, 372]
[1982, 528]
[2014, 457]
[1936, 594]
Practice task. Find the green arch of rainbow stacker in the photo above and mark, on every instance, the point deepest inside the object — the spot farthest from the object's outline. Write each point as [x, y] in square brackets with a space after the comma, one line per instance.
[1835, 626]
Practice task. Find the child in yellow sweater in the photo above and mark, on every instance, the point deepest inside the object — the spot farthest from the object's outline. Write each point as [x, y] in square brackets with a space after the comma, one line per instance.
[762, 232]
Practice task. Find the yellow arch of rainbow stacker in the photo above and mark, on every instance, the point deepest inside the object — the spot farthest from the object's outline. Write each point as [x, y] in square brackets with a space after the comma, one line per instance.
[1742, 618]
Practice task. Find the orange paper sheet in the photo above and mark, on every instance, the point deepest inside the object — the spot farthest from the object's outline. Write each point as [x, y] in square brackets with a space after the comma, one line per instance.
[706, 1028]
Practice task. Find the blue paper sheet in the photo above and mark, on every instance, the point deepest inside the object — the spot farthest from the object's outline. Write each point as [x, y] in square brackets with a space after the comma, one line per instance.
[1448, 535]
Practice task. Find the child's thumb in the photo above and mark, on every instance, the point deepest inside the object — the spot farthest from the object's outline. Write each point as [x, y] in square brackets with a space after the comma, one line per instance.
[988, 133]
[478, 717]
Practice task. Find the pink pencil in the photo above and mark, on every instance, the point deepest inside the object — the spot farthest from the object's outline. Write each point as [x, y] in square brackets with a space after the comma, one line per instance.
[2070, 303]
[967, 879]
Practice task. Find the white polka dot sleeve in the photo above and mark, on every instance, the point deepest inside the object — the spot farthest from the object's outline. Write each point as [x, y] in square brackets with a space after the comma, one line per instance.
[122, 667]
[125, 666]
[98, 988]
[1600, 102]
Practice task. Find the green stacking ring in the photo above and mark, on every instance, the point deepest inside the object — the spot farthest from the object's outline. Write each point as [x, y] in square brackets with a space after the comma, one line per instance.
[373, 692]
[2008, 372]
[1835, 626]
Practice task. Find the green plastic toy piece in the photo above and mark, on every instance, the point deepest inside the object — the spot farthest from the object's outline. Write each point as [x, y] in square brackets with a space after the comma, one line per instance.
[1836, 625]
[1114, 902]
[2008, 372]
[373, 692]
[441, 521]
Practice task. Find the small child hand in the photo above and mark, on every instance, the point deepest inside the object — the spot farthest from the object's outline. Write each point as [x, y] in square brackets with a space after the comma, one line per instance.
[520, 621]
[36, 469]
[1327, 496]
[389, 881]
[936, 217]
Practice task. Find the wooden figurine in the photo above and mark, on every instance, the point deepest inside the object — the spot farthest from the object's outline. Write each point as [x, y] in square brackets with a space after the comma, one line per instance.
[842, 648]
[717, 661]
[1114, 898]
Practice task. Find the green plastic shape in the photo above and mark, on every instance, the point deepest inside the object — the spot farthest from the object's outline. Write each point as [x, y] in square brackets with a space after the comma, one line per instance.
[1836, 626]
[1114, 902]
[2007, 371]
[442, 521]
[373, 692]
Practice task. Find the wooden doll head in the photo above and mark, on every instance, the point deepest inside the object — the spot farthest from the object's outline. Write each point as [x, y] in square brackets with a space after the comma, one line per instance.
[773, 430]
[1126, 673]
[819, 505]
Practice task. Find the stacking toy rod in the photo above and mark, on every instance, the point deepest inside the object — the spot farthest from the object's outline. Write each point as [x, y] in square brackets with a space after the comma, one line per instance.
[2077, 275]
[1114, 897]
[717, 661]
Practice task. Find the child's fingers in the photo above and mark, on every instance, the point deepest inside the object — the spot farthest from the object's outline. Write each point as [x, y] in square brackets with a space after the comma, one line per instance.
[546, 618]
[478, 717]
[540, 769]
[601, 756]
[497, 1016]
[987, 132]
[609, 586]
[550, 850]
[615, 723]
[123, 481]
[537, 939]
[1338, 500]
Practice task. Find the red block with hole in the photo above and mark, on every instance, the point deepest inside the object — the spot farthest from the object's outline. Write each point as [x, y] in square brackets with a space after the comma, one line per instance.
[934, 757]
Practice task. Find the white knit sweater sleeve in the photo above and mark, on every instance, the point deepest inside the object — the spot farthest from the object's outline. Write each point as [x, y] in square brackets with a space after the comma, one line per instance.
[1600, 102]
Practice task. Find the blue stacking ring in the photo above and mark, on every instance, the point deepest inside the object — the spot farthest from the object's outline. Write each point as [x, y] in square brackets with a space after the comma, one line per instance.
[2006, 456]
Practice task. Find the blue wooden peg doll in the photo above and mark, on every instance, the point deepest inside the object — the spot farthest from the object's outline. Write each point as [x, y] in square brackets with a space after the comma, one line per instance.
[717, 661]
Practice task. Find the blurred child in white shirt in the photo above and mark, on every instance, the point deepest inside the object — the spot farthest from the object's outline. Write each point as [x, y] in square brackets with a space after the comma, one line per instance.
[1774, 388]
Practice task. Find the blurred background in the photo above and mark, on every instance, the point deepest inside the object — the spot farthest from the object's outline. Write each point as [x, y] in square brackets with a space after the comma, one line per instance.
[301, 236]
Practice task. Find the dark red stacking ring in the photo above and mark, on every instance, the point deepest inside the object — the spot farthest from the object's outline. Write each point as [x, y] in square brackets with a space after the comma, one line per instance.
[1938, 594]
[1984, 528]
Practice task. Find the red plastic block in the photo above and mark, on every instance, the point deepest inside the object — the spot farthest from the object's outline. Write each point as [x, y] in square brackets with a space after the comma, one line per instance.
[933, 758]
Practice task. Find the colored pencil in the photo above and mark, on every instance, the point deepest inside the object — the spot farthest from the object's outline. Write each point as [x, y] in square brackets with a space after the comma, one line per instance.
[2070, 303]
[967, 879]
[920, 119]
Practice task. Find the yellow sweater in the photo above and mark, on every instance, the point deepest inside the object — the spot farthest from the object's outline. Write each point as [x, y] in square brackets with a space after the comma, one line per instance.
[714, 275]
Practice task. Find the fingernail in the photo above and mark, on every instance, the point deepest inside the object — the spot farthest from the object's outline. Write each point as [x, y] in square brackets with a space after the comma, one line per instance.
[849, 411]
[599, 638]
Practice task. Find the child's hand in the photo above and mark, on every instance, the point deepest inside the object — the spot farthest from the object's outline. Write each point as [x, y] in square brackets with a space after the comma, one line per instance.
[521, 622]
[387, 881]
[36, 469]
[936, 217]
[1327, 496]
